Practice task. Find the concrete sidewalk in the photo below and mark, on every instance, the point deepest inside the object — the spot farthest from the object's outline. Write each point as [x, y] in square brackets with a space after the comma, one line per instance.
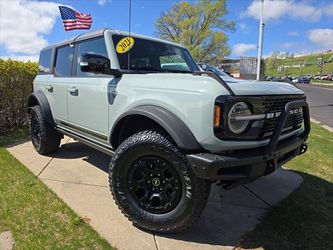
[78, 175]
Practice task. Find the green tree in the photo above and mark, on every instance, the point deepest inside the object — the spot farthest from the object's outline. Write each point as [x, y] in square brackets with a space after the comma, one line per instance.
[200, 27]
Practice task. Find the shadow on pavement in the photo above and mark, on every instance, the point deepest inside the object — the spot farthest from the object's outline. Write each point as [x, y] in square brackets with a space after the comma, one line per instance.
[231, 214]
[75, 150]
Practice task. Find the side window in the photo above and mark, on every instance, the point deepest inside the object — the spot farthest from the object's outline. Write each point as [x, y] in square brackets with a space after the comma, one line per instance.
[96, 46]
[45, 61]
[63, 66]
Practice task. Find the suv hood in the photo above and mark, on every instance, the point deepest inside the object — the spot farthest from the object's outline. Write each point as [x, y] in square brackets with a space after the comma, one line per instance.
[252, 87]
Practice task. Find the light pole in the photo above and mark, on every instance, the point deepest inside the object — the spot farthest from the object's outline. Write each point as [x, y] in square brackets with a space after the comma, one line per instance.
[261, 28]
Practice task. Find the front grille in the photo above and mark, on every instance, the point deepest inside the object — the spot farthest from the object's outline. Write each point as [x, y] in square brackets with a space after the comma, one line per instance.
[276, 104]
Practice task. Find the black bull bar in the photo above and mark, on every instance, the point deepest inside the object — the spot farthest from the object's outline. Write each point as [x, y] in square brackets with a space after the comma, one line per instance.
[243, 166]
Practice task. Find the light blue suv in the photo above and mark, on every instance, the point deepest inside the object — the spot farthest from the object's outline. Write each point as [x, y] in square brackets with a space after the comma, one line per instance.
[170, 128]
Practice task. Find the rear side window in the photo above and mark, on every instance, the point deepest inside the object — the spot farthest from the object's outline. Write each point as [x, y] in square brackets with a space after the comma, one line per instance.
[45, 61]
[95, 46]
[64, 60]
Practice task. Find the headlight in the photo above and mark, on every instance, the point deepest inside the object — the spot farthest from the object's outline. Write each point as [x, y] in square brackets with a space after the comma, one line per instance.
[238, 110]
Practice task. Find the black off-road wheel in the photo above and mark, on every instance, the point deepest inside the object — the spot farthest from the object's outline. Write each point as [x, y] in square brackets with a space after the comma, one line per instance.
[154, 185]
[44, 137]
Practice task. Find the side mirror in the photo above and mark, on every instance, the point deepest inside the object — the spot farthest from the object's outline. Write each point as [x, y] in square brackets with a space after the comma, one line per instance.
[94, 63]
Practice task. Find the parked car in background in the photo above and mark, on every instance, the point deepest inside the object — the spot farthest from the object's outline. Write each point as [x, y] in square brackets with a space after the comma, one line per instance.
[295, 80]
[287, 78]
[327, 77]
[303, 80]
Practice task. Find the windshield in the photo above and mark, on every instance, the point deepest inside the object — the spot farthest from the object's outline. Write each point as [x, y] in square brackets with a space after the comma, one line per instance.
[152, 56]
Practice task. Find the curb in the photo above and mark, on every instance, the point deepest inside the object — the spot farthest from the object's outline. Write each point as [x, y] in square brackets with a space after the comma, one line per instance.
[322, 84]
[330, 129]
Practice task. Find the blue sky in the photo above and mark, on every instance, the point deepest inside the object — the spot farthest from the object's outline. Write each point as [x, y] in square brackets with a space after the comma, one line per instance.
[296, 26]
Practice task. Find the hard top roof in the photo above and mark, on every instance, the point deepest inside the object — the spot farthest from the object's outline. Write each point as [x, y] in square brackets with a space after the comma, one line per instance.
[101, 32]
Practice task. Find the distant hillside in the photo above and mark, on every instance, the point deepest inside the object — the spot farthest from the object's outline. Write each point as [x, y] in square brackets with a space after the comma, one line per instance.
[292, 66]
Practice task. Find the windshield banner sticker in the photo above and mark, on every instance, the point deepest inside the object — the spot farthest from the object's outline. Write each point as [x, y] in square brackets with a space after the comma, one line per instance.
[124, 45]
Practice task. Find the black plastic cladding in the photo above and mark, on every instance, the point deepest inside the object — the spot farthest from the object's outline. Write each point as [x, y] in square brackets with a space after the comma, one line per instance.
[41, 100]
[175, 127]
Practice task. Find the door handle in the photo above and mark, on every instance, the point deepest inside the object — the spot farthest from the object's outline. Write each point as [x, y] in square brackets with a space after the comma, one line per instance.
[73, 91]
[49, 88]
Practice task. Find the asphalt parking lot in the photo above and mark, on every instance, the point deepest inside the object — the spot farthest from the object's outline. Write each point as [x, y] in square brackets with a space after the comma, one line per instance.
[320, 99]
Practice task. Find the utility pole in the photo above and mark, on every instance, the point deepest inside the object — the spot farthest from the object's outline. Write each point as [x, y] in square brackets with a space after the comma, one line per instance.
[260, 42]
[284, 69]
[301, 67]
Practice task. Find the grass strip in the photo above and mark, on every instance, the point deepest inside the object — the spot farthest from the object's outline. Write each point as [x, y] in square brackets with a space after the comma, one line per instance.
[37, 218]
[305, 219]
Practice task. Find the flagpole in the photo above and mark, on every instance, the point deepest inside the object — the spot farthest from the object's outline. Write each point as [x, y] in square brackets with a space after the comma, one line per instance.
[69, 42]
[260, 42]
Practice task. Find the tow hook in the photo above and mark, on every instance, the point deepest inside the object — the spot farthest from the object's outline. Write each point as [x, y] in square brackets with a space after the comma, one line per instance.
[303, 149]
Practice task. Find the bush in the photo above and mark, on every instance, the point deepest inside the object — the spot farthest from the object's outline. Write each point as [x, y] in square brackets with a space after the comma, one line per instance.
[15, 85]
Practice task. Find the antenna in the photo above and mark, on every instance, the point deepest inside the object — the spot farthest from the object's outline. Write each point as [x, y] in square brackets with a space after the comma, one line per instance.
[129, 32]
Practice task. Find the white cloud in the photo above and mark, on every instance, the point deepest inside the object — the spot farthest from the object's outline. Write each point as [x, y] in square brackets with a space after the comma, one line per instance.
[103, 2]
[240, 49]
[329, 10]
[292, 33]
[287, 45]
[274, 10]
[322, 38]
[24, 23]
[242, 26]
[32, 58]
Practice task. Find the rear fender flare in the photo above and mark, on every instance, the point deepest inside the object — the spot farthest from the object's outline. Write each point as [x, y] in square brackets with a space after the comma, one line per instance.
[39, 98]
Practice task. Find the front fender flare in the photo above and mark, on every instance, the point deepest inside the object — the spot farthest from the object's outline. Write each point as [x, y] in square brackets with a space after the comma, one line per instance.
[172, 124]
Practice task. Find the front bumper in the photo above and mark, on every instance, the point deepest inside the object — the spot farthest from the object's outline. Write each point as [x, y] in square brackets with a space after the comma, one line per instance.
[241, 166]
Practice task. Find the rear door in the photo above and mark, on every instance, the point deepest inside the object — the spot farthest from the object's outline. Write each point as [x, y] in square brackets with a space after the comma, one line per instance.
[87, 93]
[56, 88]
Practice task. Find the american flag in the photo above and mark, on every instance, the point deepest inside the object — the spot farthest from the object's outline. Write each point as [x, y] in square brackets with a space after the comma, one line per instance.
[74, 20]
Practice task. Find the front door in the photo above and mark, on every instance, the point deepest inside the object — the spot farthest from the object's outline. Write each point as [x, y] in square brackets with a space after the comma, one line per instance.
[87, 94]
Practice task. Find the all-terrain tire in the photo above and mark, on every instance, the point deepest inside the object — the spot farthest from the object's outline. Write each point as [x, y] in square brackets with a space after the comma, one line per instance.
[193, 190]
[44, 137]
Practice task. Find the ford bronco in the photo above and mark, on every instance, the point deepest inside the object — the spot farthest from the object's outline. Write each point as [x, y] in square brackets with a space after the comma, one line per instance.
[170, 128]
